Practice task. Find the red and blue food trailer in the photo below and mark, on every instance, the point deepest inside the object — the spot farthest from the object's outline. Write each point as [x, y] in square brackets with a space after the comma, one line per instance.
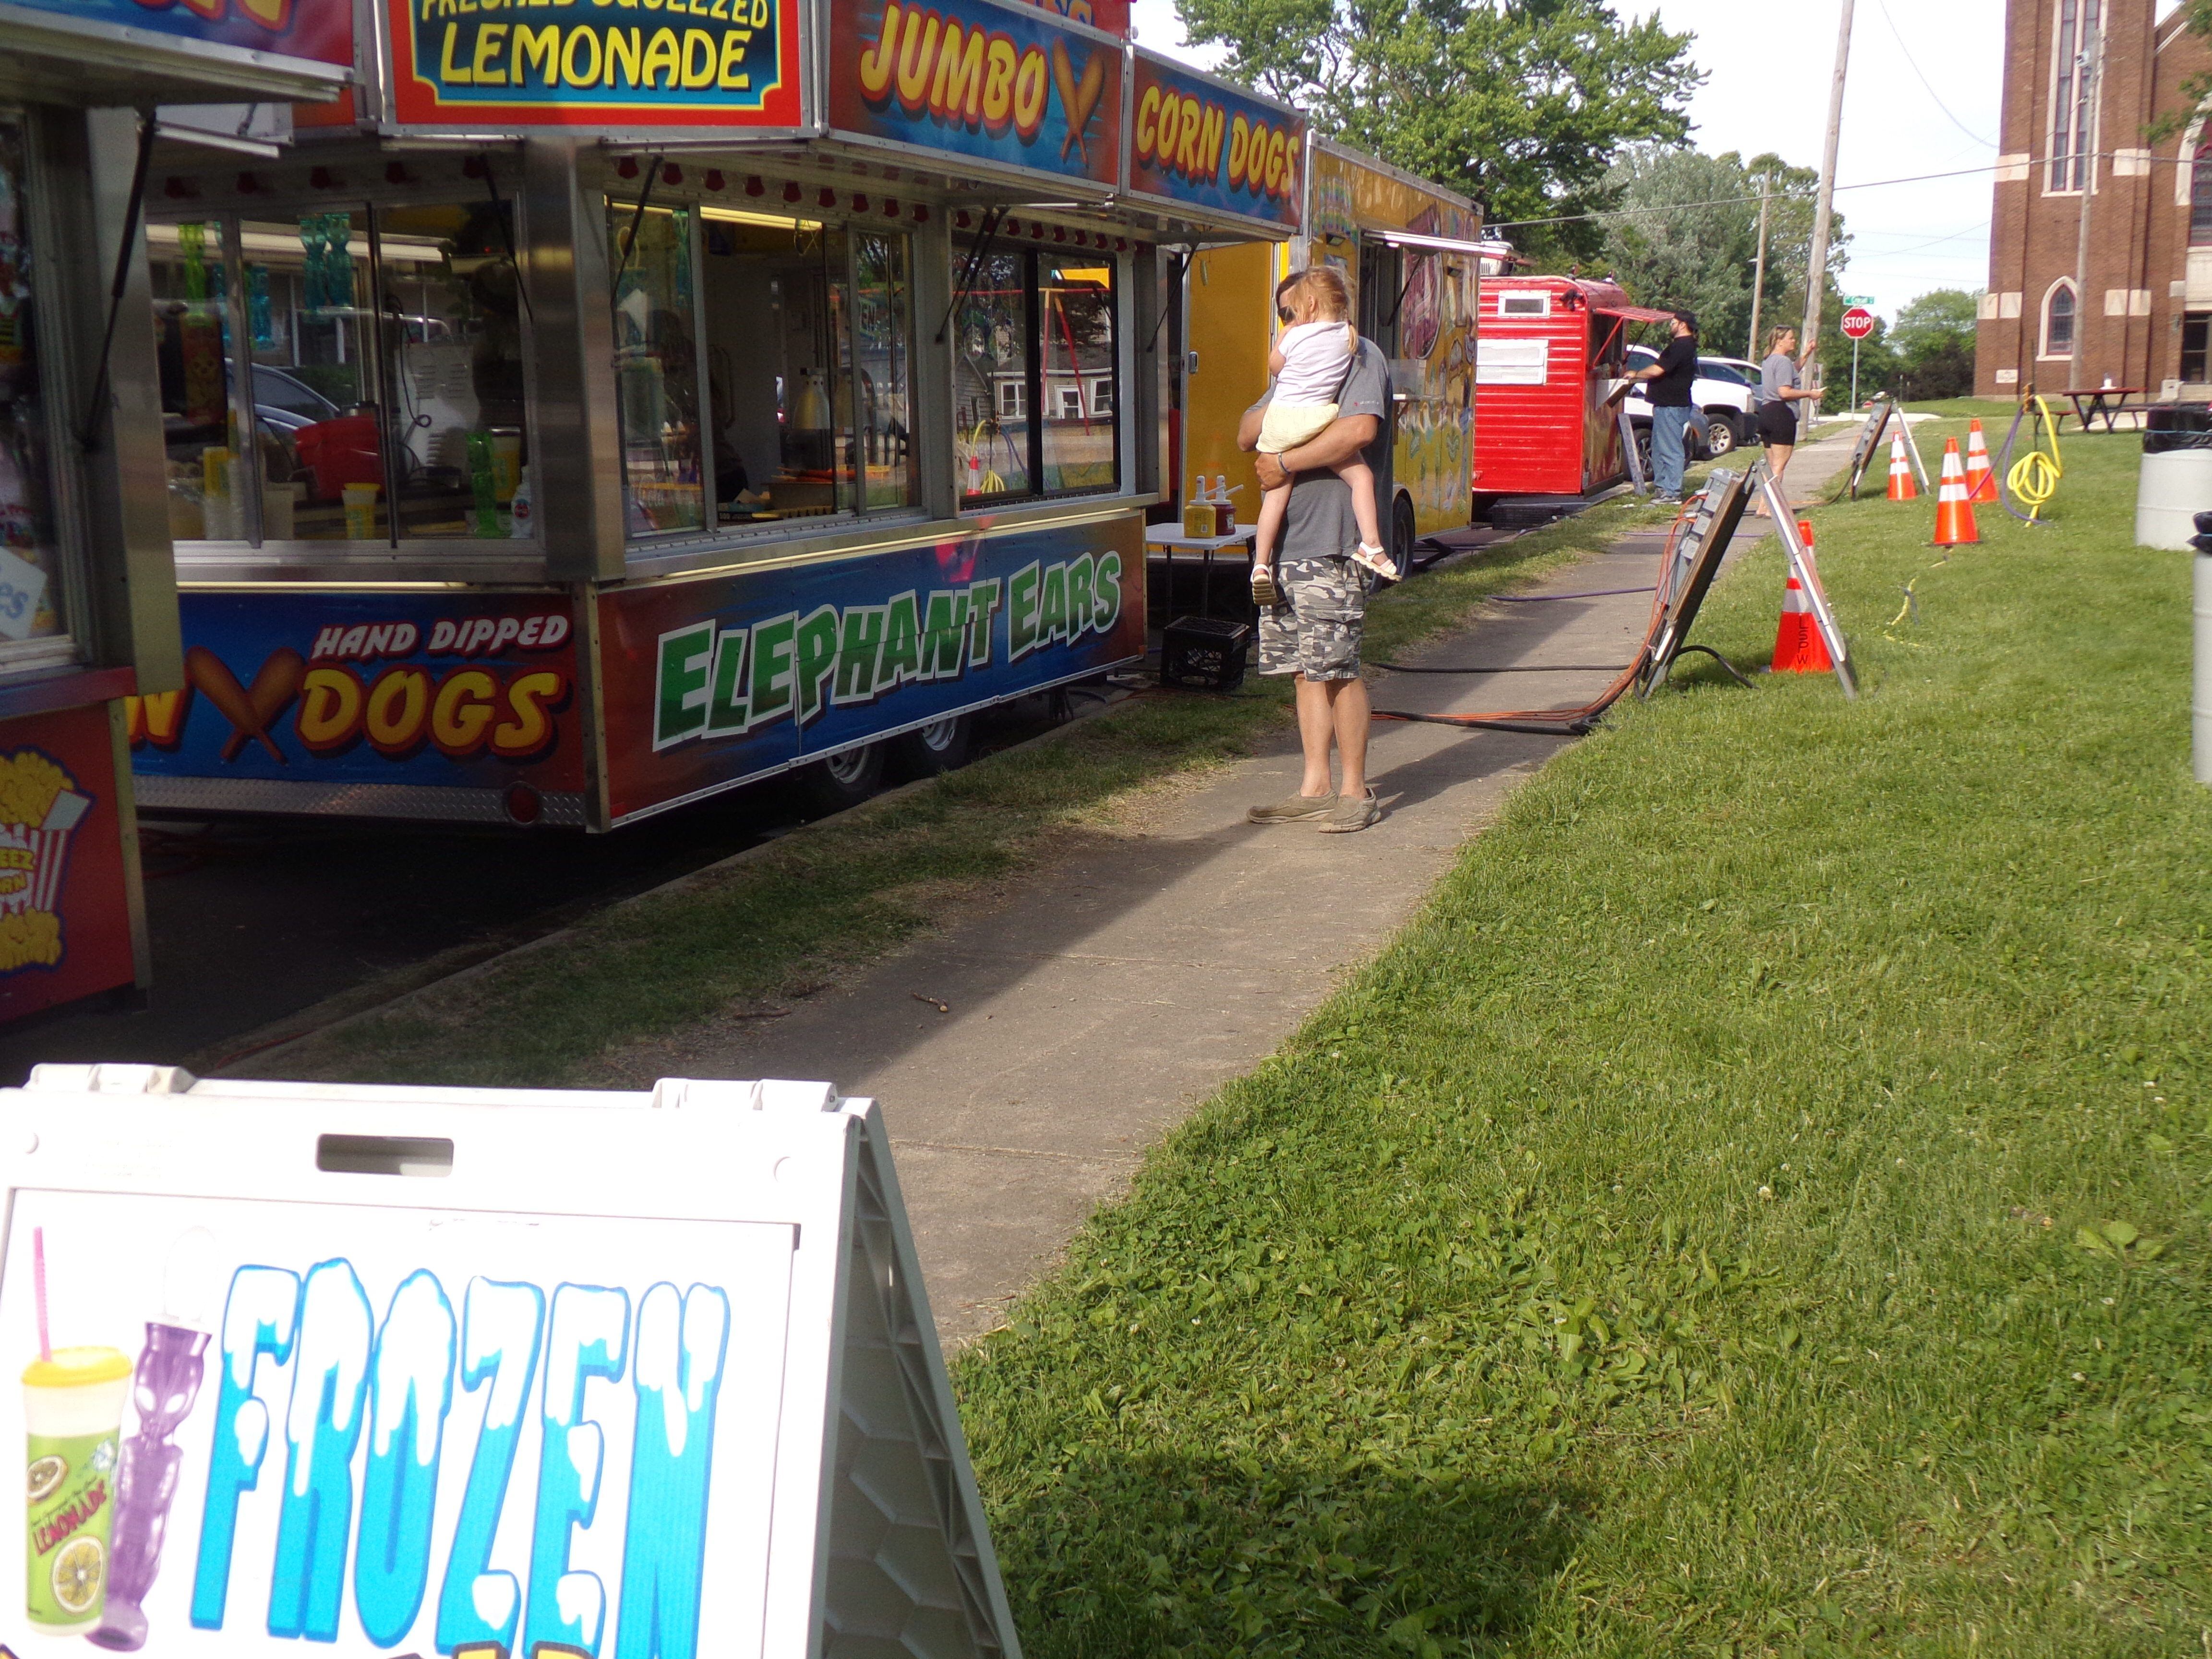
[88, 611]
[618, 405]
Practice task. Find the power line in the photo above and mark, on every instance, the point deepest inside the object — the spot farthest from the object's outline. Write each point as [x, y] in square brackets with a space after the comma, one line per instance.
[2030, 163]
[1986, 143]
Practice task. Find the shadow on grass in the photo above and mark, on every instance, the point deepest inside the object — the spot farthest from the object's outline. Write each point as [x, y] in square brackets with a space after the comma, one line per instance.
[1151, 1556]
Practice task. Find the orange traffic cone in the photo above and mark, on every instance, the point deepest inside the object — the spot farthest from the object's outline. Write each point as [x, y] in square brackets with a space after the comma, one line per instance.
[1798, 647]
[1901, 487]
[1954, 513]
[1981, 481]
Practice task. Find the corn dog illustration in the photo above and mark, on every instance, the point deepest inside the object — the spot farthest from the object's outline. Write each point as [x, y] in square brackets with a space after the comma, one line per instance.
[1078, 98]
[250, 710]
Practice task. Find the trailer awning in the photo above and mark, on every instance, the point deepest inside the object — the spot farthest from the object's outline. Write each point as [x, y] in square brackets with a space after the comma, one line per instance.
[1637, 314]
[1432, 243]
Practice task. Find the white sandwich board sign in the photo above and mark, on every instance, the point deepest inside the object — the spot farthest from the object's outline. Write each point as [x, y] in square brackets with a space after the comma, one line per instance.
[482, 1373]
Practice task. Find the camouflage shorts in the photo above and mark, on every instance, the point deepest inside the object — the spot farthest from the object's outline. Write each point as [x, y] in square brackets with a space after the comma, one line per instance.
[1315, 631]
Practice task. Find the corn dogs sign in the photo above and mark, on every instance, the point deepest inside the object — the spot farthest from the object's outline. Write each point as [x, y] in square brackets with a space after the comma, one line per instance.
[613, 65]
[1197, 140]
[1013, 84]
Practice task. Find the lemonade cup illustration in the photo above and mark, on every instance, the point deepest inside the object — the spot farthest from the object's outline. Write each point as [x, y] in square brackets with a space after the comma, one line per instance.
[73, 1417]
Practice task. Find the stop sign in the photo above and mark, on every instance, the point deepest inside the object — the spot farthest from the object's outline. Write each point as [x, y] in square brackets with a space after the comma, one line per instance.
[1858, 323]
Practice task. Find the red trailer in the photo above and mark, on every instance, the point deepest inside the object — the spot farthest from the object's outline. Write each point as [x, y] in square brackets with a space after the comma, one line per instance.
[1550, 355]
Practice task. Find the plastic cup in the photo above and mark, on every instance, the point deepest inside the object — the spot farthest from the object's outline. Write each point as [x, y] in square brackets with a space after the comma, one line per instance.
[506, 462]
[73, 1419]
[361, 511]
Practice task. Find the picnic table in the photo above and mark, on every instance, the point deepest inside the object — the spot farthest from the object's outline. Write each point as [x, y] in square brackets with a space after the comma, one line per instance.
[2105, 403]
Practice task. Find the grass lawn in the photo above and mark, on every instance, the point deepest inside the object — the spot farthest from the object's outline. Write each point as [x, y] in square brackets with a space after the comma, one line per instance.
[802, 910]
[1759, 1207]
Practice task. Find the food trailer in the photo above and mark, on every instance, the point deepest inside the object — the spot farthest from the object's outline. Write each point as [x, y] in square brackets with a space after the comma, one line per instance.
[641, 404]
[1411, 251]
[88, 613]
[1552, 356]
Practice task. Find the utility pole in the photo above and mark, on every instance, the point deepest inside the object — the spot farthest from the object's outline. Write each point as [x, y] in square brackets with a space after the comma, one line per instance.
[1816, 276]
[1759, 271]
[2090, 66]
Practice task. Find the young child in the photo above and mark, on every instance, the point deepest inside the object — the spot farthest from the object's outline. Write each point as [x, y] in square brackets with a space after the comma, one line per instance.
[1311, 362]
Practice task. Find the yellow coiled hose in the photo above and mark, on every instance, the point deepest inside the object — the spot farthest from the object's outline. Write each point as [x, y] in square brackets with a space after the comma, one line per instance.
[2034, 478]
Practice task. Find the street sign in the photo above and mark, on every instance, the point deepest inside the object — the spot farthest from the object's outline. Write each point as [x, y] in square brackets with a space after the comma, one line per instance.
[1859, 299]
[1858, 323]
[475, 1372]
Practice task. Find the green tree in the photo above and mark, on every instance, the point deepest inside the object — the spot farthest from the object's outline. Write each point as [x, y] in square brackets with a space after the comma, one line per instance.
[1934, 341]
[1684, 232]
[1520, 104]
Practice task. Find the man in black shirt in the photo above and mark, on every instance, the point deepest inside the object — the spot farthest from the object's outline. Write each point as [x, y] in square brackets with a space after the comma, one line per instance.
[1671, 379]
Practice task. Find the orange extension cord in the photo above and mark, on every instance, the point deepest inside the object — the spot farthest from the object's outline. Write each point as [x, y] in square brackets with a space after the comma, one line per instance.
[1578, 722]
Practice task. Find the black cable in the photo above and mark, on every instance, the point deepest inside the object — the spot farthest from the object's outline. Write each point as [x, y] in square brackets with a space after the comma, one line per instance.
[1517, 668]
[89, 434]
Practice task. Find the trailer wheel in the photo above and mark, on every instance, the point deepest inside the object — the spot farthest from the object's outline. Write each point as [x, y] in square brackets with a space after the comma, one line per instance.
[1402, 535]
[845, 779]
[943, 745]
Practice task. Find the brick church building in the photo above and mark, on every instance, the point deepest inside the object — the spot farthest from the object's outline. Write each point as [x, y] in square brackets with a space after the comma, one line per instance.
[2146, 320]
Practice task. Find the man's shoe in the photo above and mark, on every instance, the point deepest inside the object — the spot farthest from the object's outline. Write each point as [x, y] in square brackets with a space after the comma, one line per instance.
[1293, 809]
[1351, 813]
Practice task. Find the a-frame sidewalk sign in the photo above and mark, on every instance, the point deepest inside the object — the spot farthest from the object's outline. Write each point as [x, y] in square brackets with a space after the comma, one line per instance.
[495, 1374]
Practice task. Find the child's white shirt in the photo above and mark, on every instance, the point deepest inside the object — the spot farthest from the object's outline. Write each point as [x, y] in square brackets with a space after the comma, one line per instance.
[1316, 359]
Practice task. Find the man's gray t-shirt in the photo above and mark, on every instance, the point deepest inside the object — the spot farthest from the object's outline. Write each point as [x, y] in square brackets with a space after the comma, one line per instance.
[1320, 523]
[1775, 376]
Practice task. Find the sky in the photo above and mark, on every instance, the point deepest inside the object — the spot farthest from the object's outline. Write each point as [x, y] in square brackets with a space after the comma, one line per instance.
[1922, 97]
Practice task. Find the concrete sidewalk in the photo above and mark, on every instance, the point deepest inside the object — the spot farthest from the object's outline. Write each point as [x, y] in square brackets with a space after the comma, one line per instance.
[1091, 1009]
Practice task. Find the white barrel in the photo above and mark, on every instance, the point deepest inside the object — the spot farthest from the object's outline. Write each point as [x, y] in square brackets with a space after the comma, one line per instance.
[2201, 707]
[2175, 487]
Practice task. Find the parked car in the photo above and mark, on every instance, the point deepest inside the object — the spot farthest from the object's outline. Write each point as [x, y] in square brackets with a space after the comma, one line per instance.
[1722, 390]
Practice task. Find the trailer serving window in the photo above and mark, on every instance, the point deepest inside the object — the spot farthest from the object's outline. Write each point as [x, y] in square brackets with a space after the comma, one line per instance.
[804, 377]
[34, 608]
[353, 373]
[1035, 332]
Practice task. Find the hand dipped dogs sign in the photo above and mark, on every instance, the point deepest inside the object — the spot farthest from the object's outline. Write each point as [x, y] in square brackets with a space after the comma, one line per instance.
[473, 1372]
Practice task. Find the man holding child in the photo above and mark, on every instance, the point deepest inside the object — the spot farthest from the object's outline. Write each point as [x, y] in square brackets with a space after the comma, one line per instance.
[1312, 628]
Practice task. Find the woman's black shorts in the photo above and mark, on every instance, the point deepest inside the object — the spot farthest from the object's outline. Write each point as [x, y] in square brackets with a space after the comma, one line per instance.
[1777, 422]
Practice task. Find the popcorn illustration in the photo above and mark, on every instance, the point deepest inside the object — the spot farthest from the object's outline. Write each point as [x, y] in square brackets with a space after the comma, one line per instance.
[40, 808]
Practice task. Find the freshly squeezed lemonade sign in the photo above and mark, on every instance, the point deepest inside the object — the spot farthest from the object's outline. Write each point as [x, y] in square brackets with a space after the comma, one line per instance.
[391, 1430]
[598, 64]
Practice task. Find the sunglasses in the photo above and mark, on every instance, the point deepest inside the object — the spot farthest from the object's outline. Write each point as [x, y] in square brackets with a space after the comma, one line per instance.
[1285, 313]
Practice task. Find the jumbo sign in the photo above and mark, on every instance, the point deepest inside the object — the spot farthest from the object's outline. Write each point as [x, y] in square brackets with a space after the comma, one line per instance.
[1197, 140]
[1007, 83]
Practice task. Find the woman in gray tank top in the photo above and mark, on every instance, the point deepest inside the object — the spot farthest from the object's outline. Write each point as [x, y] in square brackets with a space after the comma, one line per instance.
[1778, 394]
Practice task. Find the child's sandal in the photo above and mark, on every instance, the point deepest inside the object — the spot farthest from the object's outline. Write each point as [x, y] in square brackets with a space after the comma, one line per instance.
[1265, 593]
[1378, 560]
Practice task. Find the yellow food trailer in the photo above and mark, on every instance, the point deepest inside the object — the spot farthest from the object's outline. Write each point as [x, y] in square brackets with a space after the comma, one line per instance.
[1411, 250]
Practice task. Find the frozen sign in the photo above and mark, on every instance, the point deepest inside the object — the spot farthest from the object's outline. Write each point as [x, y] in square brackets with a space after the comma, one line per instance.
[393, 1430]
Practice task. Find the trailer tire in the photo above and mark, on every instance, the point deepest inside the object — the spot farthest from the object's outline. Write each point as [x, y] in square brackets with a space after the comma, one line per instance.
[845, 779]
[1402, 535]
[943, 745]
